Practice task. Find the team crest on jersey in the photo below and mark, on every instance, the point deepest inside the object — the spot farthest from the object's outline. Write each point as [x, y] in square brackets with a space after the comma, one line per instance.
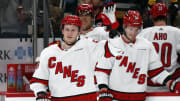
[66, 71]
[131, 68]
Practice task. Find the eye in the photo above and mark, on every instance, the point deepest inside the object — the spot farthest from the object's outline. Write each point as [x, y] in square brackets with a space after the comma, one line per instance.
[131, 29]
[73, 30]
[66, 29]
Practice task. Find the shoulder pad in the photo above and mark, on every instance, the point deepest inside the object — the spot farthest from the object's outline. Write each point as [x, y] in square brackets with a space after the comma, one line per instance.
[90, 39]
[52, 43]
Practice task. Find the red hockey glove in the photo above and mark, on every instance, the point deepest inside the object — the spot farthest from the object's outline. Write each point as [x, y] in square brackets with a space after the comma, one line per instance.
[108, 15]
[105, 95]
[174, 85]
[42, 96]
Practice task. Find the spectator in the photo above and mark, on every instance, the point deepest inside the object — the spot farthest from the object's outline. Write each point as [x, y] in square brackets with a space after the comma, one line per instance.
[15, 17]
[173, 9]
[56, 15]
[177, 20]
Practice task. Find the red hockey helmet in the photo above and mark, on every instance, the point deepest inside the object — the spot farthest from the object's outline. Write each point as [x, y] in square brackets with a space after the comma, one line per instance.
[85, 8]
[159, 9]
[132, 18]
[72, 20]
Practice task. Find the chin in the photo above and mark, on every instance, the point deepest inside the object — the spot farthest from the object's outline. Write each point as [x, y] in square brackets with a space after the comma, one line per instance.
[71, 42]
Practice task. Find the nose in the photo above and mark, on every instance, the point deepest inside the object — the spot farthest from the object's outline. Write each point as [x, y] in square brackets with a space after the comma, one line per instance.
[134, 31]
[69, 32]
[83, 17]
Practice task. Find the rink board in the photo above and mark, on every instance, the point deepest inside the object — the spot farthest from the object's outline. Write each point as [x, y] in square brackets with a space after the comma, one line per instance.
[153, 96]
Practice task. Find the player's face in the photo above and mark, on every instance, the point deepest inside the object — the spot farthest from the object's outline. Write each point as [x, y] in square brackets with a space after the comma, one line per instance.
[131, 32]
[71, 33]
[86, 21]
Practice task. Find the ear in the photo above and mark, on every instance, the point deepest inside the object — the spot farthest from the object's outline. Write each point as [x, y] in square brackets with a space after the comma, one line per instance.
[62, 31]
[124, 26]
[79, 33]
[78, 37]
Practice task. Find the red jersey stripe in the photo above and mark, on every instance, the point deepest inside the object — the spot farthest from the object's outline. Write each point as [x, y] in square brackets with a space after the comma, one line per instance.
[82, 97]
[139, 96]
[155, 72]
[33, 80]
[107, 71]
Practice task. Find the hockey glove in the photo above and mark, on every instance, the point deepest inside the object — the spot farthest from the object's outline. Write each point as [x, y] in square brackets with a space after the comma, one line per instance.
[174, 85]
[108, 15]
[113, 33]
[42, 96]
[105, 95]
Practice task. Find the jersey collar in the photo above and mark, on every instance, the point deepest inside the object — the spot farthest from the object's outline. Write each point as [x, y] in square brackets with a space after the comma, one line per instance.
[127, 41]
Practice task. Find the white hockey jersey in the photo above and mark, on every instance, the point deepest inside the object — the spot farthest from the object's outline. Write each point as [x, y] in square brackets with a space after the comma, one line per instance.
[98, 34]
[67, 73]
[166, 40]
[126, 66]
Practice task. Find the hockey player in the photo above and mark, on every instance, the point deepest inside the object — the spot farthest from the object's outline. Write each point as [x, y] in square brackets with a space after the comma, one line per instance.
[67, 67]
[166, 40]
[86, 14]
[128, 61]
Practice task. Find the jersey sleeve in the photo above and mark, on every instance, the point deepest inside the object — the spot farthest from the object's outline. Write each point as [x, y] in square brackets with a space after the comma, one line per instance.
[103, 70]
[39, 81]
[105, 34]
[103, 67]
[156, 72]
[99, 50]
[102, 33]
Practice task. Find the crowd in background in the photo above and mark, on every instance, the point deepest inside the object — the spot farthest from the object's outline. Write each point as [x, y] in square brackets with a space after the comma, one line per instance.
[16, 15]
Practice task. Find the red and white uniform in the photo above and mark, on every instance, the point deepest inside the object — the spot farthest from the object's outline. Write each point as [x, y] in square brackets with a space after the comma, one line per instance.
[98, 34]
[68, 73]
[126, 66]
[166, 40]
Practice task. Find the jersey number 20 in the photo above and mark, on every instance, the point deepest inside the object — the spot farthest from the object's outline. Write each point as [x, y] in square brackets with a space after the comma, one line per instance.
[165, 53]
